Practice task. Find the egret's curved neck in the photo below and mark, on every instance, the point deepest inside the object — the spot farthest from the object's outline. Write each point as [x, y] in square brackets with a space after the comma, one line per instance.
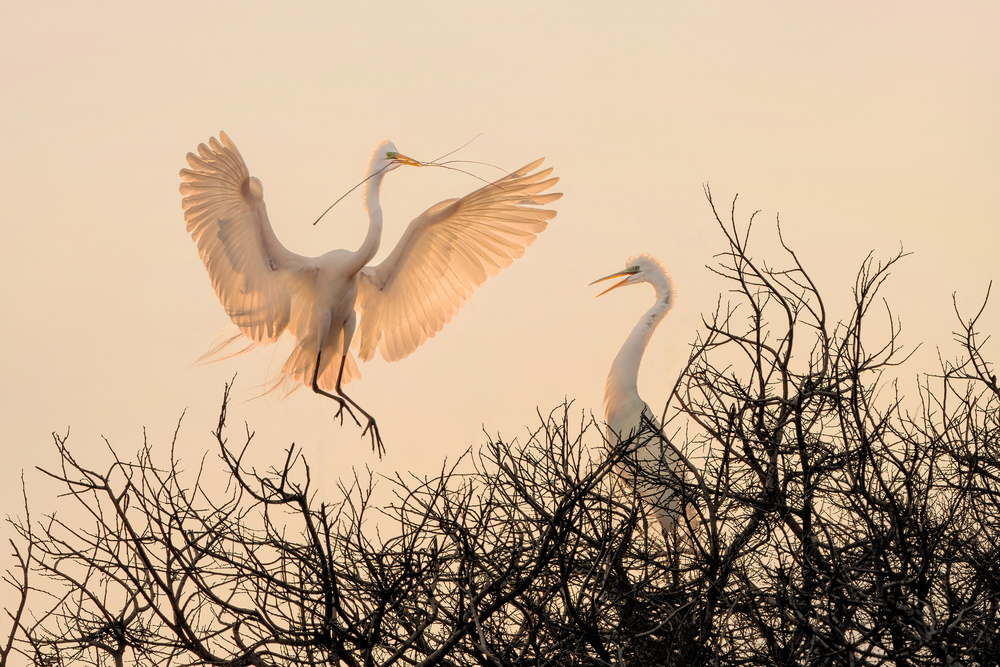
[623, 379]
[372, 240]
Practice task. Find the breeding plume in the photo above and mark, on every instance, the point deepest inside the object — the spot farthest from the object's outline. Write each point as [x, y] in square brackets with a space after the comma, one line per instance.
[628, 417]
[443, 256]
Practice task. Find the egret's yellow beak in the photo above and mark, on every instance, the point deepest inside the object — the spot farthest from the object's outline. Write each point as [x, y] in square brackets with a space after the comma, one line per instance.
[628, 273]
[403, 159]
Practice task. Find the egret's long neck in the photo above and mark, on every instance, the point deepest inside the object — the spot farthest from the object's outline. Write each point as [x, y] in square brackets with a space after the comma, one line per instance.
[623, 379]
[374, 237]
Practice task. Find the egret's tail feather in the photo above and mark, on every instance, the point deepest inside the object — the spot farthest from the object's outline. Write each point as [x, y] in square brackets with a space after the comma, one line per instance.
[220, 351]
[301, 364]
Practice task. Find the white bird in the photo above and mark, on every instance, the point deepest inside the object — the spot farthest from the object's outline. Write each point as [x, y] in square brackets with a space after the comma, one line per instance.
[443, 256]
[629, 419]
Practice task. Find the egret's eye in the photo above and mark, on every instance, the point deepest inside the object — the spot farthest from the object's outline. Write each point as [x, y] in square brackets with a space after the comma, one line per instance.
[391, 155]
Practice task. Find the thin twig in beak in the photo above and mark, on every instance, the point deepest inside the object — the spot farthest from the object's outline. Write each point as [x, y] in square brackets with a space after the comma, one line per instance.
[401, 159]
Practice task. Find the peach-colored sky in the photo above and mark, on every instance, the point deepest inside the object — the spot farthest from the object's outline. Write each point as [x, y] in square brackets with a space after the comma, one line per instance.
[864, 125]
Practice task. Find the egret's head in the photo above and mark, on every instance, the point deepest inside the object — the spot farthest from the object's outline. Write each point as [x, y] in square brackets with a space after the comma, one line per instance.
[386, 158]
[639, 269]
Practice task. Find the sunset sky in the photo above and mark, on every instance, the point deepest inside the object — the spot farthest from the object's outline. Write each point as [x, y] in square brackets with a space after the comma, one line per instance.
[864, 126]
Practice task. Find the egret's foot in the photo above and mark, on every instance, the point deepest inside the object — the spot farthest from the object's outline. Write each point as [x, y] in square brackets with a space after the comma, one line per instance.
[377, 445]
[340, 413]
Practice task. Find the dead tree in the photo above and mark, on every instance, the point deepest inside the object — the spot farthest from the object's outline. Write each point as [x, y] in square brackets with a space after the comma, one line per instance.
[839, 522]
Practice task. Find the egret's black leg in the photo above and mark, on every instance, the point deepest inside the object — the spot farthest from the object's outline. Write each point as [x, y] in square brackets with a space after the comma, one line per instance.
[340, 401]
[372, 426]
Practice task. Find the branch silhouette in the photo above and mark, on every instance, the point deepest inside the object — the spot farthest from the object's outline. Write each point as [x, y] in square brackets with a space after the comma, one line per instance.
[837, 522]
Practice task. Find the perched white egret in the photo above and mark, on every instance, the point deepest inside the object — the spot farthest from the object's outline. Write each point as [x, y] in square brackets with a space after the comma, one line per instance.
[443, 256]
[628, 417]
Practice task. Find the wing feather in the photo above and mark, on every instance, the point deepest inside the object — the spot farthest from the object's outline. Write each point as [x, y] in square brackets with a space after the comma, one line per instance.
[253, 275]
[445, 254]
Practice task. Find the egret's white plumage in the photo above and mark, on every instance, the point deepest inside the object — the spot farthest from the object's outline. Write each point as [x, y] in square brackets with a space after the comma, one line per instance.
[443, 256]
[628, 417]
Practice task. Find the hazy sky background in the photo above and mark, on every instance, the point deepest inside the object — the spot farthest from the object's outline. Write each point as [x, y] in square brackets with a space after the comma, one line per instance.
[863, 125]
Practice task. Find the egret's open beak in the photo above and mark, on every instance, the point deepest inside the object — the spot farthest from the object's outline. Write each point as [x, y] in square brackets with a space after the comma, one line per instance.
[403, 159]
[627, 273]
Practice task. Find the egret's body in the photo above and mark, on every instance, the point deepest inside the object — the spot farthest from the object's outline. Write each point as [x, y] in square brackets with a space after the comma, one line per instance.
[629, 419]
[442, 257]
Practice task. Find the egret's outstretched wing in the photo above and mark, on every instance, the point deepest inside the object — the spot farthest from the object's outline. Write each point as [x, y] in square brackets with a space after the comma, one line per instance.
[252, 273]
[444, 255]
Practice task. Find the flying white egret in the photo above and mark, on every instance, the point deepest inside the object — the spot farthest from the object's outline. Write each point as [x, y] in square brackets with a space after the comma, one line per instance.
[628, 417]
[443, 256]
